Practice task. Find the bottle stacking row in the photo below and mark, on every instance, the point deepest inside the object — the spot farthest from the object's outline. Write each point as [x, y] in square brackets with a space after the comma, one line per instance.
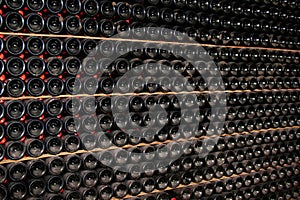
[79, 174]
[30, 46]
[253, 104]
[241, 69]
[54, 86]
[55, 115]
[75, 126]
[225, 22]
[54, 139]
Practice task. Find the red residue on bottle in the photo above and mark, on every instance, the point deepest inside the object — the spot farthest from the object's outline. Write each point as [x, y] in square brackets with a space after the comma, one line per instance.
[3, 141]
[2, 78]
[22, 139]
[2, 120]
[23, 77]
[21, 12]
[22, 119]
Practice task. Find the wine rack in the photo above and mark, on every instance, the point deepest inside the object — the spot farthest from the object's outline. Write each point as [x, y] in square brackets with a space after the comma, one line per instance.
[63, 128]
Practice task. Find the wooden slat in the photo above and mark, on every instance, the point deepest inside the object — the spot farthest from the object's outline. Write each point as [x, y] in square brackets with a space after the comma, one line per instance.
[146, 41]
[146, 93]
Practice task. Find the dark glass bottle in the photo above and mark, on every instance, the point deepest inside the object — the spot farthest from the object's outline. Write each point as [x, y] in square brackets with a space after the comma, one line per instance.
[3, 174]
[54, 86]
[36, 187]
[34, 147]
[55, 165]
[72, 181]
[15, 66]
[72, 46]
[73, 7]
[35, 46]
[15, 87]
[107, 9]
[36, 168]
[53, 46]
[35, 86]
[53, 145]
[72, 106]
[88, 193]
[53, 126]
[54, 183]
[15, 130]
[106, 27]
[15, 45]
[14, 21]
[17, 171]
[120, 189]
[53, 106]
[73, 162]
[54, 24]
[14, 109]
[35, 66]
[90, 7]
[15, 150]
[105, 192]
[72, 143]
[3, 192]
[36, 5]
[35, 108]
[54, 6]
[17, 190]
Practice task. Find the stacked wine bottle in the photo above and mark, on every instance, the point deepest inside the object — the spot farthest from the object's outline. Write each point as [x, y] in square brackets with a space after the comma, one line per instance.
[65, 134]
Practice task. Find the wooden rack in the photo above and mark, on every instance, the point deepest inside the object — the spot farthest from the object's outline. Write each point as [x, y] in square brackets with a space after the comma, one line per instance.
[7, 161]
